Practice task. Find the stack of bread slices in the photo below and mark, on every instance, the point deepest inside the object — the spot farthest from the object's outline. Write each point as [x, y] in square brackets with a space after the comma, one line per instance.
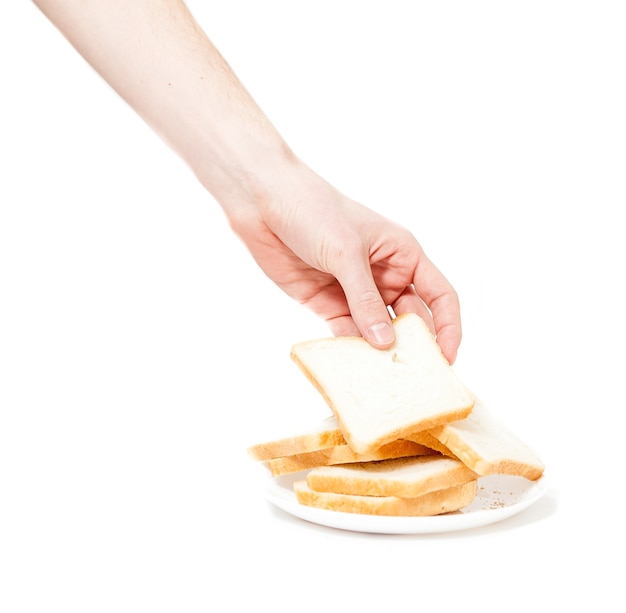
[406, 437]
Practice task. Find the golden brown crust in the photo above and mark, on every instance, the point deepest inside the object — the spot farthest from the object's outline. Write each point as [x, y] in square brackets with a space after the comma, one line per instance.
[481, 465]
[428, 440]
[304, 443]
[426, 424]
[343, 454]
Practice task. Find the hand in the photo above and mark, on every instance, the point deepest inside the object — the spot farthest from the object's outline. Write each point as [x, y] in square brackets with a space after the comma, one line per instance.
[346, 262]
[330, 253]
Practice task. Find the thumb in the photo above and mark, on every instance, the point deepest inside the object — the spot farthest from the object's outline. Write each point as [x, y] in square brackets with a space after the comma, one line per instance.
[367, 308]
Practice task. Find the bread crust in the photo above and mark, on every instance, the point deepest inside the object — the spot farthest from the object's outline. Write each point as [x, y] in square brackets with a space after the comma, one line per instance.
[343, 454]
[422, 389]
[401, 477]
[488, 447]
[427, 439]
[434, 503]
[326, 436]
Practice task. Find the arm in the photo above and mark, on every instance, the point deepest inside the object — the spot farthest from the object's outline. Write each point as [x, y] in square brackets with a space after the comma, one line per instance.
[330, 253]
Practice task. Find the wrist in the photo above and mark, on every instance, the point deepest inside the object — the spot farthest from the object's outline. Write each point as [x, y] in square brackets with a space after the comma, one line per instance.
[249, 178]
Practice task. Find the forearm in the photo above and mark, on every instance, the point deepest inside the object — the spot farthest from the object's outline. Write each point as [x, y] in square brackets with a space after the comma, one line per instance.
[154, 54]
[326, 251]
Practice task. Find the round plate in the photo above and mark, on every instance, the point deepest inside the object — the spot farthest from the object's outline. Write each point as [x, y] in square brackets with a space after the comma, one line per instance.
[498, 497]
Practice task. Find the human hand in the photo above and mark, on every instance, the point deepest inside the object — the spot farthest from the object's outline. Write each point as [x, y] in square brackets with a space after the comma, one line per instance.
[346, 262]
[330, 253]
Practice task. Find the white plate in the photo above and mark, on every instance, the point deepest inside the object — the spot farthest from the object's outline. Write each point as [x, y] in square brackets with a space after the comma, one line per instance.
[498, 497]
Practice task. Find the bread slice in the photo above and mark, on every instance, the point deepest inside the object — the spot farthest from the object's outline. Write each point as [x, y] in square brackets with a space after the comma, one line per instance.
[379, 395]
[487, 446]
[428, 440]
[343, 454]
[324, 436]
[401, 477]
[434, 503]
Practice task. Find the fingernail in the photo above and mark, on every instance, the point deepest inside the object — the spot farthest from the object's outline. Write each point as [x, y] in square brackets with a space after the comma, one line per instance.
[381, 334]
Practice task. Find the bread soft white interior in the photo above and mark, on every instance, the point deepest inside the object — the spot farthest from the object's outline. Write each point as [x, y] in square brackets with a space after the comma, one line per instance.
[381, 395]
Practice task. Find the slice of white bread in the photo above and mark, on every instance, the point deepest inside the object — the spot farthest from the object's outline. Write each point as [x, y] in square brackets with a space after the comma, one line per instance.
[379, 395]
[401, 477]
[343, 454]
[433, 503]
[428, 440]
[484, 444]
[325, 435]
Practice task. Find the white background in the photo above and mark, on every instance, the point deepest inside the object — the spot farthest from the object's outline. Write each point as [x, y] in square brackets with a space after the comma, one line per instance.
[142, 351]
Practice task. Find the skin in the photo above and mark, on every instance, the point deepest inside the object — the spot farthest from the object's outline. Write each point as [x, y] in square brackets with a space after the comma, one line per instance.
[330, 253]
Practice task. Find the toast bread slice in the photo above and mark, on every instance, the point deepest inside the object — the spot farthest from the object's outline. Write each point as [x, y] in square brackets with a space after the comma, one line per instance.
[487, 446]
[343, 454]
[379, 396]
[434, 503]
[401, 477]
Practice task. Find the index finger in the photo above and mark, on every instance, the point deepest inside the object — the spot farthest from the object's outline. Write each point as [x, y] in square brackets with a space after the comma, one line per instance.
[443, 301]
